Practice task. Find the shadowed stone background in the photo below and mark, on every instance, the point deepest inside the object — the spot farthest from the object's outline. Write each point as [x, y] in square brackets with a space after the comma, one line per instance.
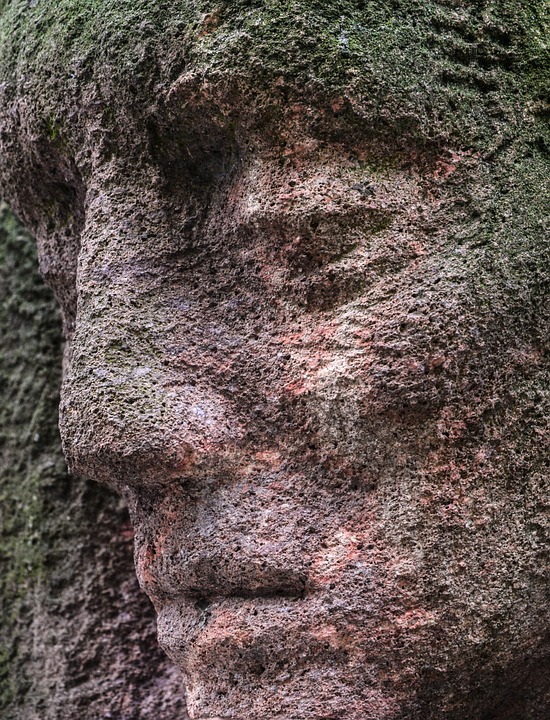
[77, 636]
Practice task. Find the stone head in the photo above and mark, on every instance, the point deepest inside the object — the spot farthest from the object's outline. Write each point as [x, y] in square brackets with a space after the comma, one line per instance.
[300, 255]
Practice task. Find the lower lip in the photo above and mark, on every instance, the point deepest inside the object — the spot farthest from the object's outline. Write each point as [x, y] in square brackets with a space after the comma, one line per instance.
[257, 655]
[227, 615]
[242, 633]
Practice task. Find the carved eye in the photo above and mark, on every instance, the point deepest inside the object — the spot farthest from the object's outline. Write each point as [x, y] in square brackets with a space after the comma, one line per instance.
[318, 261]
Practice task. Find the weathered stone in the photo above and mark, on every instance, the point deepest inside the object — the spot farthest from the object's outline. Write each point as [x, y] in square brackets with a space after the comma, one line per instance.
[77, 636]
[304, 275]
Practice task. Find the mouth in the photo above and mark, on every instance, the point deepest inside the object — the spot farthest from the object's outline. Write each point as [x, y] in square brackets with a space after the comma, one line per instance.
[231, 607]
[242, 634]
[251, 628]
[200, 579]
[247, 584]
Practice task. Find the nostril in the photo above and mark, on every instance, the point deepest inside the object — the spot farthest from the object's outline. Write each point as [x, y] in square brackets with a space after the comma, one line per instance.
[121, 432]
[120, 465]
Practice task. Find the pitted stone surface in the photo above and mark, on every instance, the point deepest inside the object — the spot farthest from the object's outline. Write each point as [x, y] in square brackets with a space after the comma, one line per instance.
[77, 635]
[305, 281]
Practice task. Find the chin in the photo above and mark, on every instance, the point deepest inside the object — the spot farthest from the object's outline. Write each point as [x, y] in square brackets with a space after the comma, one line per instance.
[275, 657]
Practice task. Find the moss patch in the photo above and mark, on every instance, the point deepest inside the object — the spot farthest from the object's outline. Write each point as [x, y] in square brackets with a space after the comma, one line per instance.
[31, 465]
[433, 70]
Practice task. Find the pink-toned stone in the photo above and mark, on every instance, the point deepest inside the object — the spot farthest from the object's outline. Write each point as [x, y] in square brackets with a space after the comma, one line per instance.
[301, 360]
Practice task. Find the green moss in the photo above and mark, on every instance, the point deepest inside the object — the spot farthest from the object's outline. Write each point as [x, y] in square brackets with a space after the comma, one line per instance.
[516, 248]
[31, 465]
[432, 70]
[52, 128]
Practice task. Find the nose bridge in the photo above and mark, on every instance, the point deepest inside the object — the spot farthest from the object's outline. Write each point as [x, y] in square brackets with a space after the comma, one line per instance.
[123, 419]
[117, 295]
[112, 385]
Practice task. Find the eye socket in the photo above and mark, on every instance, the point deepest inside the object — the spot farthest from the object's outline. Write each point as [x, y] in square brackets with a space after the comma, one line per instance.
[199, 154]
[317, 243]
[317, 239]
[321, 259]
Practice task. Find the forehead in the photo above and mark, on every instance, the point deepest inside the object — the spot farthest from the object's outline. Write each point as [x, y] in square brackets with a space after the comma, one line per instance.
[416, 69]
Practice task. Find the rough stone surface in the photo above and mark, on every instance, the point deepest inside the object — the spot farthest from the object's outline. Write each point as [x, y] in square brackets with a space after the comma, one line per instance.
[77, 636]
[304, 273]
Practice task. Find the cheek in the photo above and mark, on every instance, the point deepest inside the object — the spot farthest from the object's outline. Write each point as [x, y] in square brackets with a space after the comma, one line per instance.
[381, 373]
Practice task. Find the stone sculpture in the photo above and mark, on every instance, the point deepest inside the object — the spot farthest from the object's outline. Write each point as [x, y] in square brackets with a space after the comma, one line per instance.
[301, 260]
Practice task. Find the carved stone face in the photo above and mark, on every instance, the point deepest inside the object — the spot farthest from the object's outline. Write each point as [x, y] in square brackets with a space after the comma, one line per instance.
[293, 384]
[299, 351]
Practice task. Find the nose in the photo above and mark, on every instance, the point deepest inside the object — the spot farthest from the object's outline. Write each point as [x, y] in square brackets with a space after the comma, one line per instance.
[125, 417]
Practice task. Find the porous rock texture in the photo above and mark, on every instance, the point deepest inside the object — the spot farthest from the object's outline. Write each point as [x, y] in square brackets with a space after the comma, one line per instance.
[77, 635]
[301, 256]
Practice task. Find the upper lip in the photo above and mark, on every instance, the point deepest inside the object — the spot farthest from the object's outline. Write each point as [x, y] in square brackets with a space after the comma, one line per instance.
[204, 576]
